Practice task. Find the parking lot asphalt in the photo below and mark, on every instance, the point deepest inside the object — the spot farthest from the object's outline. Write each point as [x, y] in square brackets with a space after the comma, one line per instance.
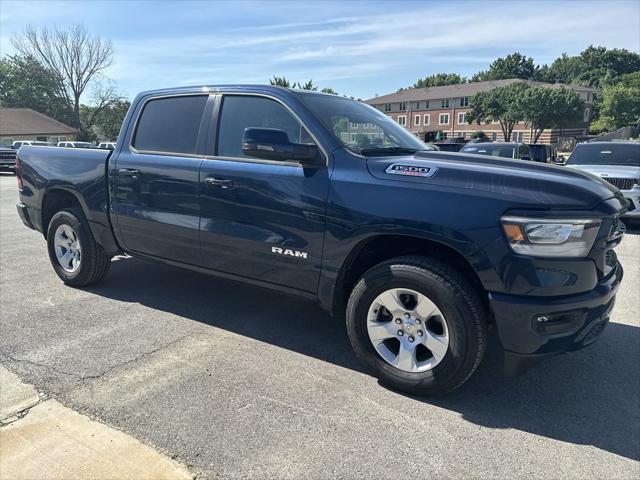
[241, 382]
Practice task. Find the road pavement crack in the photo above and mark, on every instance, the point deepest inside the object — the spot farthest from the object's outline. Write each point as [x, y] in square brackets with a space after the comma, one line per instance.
[83, 378]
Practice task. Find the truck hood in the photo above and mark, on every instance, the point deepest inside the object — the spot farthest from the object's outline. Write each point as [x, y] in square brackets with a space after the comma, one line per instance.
[612, 171]
[525, 184]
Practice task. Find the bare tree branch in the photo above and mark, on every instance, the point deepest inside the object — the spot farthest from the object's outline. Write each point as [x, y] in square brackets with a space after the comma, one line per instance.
[75, 58]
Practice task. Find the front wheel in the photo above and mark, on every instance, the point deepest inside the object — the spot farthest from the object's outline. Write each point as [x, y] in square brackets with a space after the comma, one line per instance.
[418, 324]
[74, 254]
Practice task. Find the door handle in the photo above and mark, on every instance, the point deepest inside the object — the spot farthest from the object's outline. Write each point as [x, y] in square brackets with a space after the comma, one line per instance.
[218, 182]
[129, 172]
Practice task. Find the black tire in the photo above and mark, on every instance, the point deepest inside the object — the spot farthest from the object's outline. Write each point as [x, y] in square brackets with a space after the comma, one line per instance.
[94, 262]
[457, 299]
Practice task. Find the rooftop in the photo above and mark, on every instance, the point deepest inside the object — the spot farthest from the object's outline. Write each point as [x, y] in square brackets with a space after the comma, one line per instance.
[459, 90]
[24, 121]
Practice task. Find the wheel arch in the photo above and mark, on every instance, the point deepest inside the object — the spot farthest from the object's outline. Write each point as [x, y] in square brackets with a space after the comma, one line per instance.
[381, 247]
[56, 199]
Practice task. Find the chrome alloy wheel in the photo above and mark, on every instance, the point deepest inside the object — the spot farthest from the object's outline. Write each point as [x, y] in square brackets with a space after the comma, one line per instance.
[67, 247]
[407, 330]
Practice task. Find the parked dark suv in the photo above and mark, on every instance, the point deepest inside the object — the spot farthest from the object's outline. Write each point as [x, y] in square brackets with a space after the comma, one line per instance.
[518, 151]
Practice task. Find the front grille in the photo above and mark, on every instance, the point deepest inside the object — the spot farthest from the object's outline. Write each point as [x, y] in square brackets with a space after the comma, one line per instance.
[7, 155]
[621, 183]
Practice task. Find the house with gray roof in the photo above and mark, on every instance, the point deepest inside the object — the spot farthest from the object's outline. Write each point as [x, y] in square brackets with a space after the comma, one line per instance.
[27, 124]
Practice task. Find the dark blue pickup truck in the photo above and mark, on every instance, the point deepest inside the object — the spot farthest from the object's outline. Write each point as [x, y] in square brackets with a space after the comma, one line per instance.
[327, 198]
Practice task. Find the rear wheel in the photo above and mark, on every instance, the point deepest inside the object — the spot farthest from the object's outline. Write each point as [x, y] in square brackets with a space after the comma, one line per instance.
[74, 254]
[418, 324]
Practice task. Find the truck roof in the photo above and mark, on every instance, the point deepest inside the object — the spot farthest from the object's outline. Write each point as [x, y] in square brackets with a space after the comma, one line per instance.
[229, 87]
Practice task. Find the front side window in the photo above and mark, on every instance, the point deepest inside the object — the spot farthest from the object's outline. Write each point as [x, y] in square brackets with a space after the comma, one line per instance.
[240, 112]
[383, 135]
[170, 125]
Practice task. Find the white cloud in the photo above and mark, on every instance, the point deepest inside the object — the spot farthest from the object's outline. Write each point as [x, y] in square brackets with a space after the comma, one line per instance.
[341, 42]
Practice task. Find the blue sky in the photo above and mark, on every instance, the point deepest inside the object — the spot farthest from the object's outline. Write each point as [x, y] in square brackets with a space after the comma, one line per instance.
[358, 48]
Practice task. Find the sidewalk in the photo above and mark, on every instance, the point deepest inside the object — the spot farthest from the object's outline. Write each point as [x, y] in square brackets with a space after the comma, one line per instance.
[45, 440]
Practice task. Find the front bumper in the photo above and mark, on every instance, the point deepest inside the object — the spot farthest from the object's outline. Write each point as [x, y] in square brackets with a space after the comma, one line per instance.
[531, 327]
[633, 196]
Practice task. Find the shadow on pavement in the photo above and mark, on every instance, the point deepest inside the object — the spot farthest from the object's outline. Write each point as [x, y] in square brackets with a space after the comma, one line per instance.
[589, 397]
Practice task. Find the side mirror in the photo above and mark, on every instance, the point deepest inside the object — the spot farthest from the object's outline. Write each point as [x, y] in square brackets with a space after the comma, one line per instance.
[274, 144]
[559, 159]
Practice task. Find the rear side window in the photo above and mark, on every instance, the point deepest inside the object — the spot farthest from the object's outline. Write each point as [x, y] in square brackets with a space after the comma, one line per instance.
[170, 125]
[241, 112]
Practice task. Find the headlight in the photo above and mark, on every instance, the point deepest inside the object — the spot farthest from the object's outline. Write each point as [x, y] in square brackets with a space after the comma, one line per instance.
[541, 237]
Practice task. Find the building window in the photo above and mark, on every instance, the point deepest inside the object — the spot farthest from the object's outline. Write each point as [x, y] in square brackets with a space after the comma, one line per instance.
[403, 106]
[445, 103]
[517, 136]
[587, 114]
[426, 120]
[387, 107]
[416, 121]
[426, 104]
[444, 119]
[462, 118]
[402, 120]
[464, 101]
[494, 136]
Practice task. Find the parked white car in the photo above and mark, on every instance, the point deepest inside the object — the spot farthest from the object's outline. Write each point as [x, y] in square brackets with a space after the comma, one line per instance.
[616, 162]
[107, 145]
[76, 144]
[20, 143]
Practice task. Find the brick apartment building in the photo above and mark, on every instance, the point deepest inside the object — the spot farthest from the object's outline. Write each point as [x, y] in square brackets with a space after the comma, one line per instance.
[430, 111]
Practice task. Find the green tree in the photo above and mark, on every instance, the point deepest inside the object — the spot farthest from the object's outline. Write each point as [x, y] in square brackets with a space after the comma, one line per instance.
[514, 65]
[479, 134]
[280, 82]
[25, 83]
[564, 69]
[105, 123]
[439, 79]
[503, 104]
[544, 107]
[306, 86]
[594, 67]
[620, 103]
[329, 90]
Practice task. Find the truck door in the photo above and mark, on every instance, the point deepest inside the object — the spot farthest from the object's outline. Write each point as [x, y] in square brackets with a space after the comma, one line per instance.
[261, 219]
[156, 179]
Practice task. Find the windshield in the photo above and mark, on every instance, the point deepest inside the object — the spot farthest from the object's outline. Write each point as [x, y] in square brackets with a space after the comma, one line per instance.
[361, 128]
[594, 154]
[504, 151]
